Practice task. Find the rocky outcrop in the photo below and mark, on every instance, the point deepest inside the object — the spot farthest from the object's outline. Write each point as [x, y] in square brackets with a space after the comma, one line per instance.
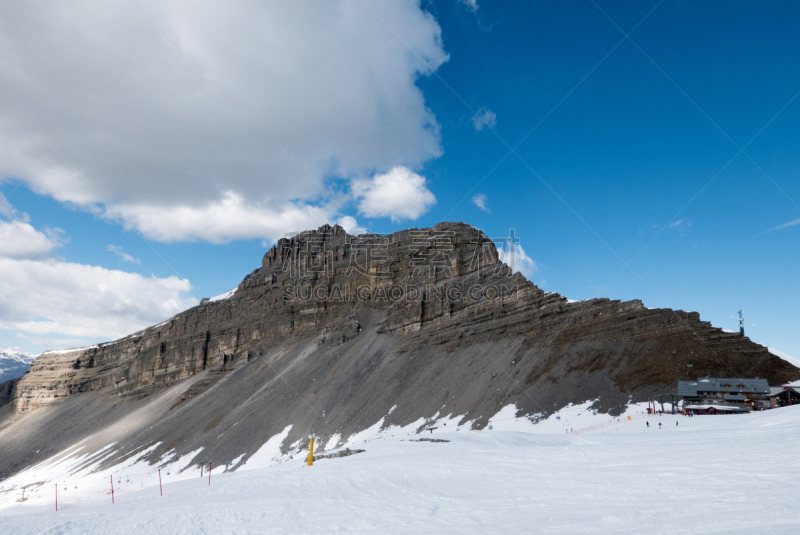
[347, 452]
[335, 331]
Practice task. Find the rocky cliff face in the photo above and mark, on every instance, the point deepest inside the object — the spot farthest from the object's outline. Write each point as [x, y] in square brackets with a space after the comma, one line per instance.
[335, 330]
[313, 284]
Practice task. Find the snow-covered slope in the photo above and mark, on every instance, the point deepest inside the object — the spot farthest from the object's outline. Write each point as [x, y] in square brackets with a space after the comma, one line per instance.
[620, 478]
[14, 363]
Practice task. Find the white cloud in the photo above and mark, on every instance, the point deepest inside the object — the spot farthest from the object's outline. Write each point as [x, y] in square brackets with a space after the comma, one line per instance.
[479, 200]
[19, 240]
[6, 210]
[49, 302]
[125, 257]
[471, 4]
[43, 343]
[329, 80]
[681, 225]
[220, 221]
[46, 297]
[351, 226]
[399, 194]
[519, 261]
[484, 118]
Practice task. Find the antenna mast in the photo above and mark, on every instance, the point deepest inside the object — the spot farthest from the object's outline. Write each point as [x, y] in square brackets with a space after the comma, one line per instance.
[741, 322]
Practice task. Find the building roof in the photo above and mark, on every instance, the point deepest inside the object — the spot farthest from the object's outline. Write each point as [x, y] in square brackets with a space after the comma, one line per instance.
[775, 390]
[690, 389]
[728, 408]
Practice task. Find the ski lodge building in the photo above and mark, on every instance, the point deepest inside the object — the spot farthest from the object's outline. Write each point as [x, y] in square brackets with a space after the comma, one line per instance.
[710, 395]
[785, 395]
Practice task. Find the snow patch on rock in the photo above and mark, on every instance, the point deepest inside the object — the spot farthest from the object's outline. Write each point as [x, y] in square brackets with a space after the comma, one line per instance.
[222, 297]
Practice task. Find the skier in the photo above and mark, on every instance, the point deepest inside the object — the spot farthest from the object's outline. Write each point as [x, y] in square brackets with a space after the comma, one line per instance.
[676, 423]
[648, 424]
[659, 425]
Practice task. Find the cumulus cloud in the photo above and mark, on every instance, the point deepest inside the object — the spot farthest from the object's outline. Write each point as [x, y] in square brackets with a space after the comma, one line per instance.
[125, 257]
[231, 217]
[19, 240]
[524, 263]
[52, 303]
[6, 210]
[262, 103]
[480, 200]
[399, 194]
[484, 118]
[518, 260]
[351, 226]
[52, 297]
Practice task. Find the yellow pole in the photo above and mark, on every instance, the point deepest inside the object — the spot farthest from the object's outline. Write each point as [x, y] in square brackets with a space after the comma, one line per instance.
[311, 452]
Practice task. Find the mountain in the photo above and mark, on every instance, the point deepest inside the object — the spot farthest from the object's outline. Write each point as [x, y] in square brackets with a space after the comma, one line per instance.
[344, 333]
[14, 363]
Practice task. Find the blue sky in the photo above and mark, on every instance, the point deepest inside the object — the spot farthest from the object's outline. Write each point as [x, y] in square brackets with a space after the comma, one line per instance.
[653, 167]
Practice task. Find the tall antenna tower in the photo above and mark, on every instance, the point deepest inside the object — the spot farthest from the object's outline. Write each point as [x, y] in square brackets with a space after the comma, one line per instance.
[741, 321]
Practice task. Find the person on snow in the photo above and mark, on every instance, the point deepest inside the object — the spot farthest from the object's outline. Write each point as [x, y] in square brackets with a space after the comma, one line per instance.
[659, 425]
[648, 424]
[676, 423]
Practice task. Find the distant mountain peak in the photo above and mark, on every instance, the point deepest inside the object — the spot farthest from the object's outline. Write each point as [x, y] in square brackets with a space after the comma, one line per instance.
[14, 362]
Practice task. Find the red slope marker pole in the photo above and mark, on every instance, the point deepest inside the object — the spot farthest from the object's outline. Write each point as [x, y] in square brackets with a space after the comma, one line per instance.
[112, 490]
[160, 490]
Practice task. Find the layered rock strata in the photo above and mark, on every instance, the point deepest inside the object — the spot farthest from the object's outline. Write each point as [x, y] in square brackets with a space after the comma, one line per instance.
[444, 286]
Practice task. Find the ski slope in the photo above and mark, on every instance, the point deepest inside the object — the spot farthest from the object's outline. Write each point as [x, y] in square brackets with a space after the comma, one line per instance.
[709, 474]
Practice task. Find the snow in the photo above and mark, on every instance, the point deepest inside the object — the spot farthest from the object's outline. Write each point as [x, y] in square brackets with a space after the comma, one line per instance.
[624, 478]
[17, 355]
[65, 351]
[333, 442]
[226, 295]
[269, 453]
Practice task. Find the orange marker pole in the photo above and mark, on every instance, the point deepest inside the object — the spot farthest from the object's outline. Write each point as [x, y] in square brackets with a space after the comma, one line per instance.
[311, 452]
